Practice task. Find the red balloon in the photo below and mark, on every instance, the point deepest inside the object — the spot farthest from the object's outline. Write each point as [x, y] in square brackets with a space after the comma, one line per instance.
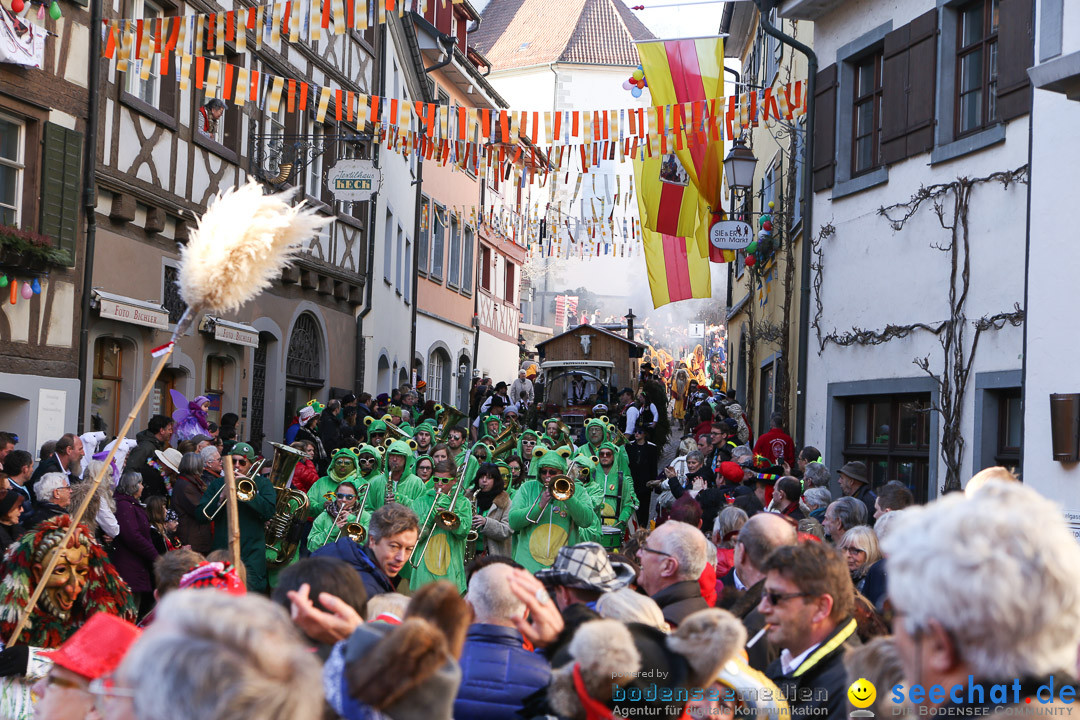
[767, 226]
[17, 6]
[750, 260]
[633, 80]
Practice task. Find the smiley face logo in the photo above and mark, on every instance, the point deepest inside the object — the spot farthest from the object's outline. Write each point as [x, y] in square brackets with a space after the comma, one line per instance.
[862, 693]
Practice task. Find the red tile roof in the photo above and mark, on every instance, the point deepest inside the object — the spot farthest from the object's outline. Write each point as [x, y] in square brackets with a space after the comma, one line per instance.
[520, 33]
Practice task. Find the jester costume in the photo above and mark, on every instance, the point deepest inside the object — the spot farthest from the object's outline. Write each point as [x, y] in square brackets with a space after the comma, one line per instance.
[444, 554]
[614, 489]
[540, 533]
[406, 488]
[343, 466]
[83, 583]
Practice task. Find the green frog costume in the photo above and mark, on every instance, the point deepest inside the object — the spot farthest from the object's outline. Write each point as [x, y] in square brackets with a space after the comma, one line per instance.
[444, 556]
[325, 531]
[427, 427]
[540, 533]
[343, 466]
[586, 475]
[408, 486]
[618, 501]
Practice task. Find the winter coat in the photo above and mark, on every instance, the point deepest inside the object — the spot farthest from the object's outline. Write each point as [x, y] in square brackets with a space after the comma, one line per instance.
[305, 475]
[48, 465]
[497, 674]
[9, 534]
[868, 498]
[330, 427]
[874, 583]
[43, 511]
[818, 687]
[679, 600]
[252, 516]
[192, 528]
[321, 456]
[363, 561]
[139, 461]
[495, 532]
[133, 552]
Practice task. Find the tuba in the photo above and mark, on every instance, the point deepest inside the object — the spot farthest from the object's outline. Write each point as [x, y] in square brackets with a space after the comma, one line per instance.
[283, 529]
[451, 416]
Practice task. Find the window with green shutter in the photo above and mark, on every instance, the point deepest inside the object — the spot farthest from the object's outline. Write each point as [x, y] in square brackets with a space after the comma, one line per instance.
[60, 185]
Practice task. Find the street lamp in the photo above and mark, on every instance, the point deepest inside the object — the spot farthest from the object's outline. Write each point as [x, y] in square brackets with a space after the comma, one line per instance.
[739, 167]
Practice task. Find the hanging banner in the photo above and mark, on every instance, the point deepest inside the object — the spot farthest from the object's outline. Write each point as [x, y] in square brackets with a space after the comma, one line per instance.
[21, 42]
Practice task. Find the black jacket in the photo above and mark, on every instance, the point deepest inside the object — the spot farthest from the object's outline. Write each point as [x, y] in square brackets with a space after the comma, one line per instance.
[818, 687]
[139, 461]
[745, 608]
[42, 511]
[679, 600]
[867, 497]
[48, 465]
[643, 460]
[9, 534]
[330, 428]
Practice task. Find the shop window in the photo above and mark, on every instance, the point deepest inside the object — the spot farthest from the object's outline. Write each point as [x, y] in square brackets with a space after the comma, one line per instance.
[105, 391]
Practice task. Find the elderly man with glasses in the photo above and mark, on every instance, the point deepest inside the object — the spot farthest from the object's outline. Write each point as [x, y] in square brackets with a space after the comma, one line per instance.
[672, 560]
[808, 601]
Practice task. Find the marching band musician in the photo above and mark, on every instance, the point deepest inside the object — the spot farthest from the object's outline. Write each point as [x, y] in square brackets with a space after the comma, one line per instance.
[398, 483]
[423, 436]
[343, 466]
[330, 525]
[527, 442]
[491, 511]
[596, 433]
[369, 459]
[584, 471]
[543, 523]
[376, 432]
[456, 442]
[619, 501]
[443, 558]
[251, 514]
[490, 429]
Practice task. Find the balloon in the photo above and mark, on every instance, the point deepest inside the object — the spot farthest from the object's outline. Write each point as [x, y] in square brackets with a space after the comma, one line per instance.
[641, 84]
[17, 7]
[36, 286]
[764, 219]
[41, 12]
[54, 10]
[767, 225]
[14, 291]
[771, 204]
[625, 84]
[633, 80]
[750, 260]
[752, 247]
[638, 75]
[635, 91]
[27, 291]
[3, 281]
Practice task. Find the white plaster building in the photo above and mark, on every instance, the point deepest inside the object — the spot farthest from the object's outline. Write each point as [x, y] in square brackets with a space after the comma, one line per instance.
[1053, 253]
[895, 116]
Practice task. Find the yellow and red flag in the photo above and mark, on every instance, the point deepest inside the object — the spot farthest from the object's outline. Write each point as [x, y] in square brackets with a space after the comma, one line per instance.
[677, 270]
[690, 71]
[667, 203]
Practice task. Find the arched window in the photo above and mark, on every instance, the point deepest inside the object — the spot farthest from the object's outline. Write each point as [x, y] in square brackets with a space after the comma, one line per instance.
[304, 363]
[383, 380]
[439, 370]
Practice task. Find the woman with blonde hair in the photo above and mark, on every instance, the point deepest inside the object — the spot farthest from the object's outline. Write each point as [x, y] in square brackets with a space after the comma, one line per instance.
[860, 548]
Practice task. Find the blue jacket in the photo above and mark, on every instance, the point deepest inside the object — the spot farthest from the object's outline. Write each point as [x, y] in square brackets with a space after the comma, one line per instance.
[497, 674]
[375, 580]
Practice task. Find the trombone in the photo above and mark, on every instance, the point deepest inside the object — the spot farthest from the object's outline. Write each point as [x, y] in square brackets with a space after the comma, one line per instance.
[354, 530]
[245, 491]
[562, 489]
[447, 519]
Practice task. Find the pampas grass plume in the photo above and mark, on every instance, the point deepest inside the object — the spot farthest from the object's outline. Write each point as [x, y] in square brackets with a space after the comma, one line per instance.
[241, 245]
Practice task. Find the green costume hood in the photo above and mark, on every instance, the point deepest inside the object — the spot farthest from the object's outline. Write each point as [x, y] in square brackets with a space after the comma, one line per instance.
[400, 447]
[426, 426]
[551, 459]
[343, 453]
[366, 449]
[596, 422]
[586, 461]
[376, 426]
[521, 443]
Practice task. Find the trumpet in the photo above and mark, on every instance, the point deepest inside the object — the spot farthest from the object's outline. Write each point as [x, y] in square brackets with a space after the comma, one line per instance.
[245, 492]
[561, 488]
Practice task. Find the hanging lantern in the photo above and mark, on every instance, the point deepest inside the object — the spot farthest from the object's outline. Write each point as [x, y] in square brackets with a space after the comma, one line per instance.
[35, 286]
[54, 10]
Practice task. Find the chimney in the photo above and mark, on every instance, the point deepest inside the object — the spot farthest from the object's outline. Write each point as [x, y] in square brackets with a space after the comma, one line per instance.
[630, 325]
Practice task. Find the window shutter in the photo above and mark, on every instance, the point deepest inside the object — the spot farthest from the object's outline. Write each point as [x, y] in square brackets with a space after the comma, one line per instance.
[908, 89]
[825, 129]
[1016, 53]
[60, 185]
[922, 79]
